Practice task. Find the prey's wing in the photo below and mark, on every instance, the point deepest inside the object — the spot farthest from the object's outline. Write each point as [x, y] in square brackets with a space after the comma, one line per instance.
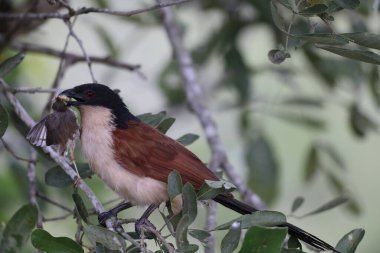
[37, 134]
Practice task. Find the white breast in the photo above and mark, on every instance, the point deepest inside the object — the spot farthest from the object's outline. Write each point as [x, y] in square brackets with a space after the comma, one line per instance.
[97, 145]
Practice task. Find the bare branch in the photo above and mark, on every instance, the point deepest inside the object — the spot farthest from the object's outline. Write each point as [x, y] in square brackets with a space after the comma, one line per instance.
[80, 43]
[193, 95]
[53, 202]
[86, 10]
[12, 152]
[73, 58]
[63, 217]
[161, 239]
[30, 90]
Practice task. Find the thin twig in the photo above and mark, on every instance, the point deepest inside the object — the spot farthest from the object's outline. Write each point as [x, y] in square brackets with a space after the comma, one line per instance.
[193, 96]
[80, 43]
[32, 185]
[31, 90]
[53, 202]
[86, 10]
[58, 76]
[12, 152]
[63, 217]
[161, 239]
[73, 58]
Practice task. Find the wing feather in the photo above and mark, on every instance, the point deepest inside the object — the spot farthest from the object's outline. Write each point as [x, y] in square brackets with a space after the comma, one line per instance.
[144, 151]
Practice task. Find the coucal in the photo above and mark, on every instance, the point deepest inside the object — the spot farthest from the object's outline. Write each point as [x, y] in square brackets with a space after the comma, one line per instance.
[134, 159]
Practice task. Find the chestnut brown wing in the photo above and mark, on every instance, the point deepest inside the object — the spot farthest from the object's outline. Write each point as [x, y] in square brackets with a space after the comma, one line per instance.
[144, 151]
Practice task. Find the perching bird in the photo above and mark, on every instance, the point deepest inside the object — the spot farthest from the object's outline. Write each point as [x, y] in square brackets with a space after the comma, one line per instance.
[134, 159]
[58, 128]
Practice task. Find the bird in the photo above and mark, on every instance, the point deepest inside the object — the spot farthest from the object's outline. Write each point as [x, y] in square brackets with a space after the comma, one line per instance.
[58, 128]
[134, 159]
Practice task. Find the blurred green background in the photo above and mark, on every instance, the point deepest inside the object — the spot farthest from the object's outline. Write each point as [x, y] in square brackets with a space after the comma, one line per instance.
[248, 97]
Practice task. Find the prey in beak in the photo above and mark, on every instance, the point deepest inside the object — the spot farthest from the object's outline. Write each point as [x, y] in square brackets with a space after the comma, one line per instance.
[58, 129]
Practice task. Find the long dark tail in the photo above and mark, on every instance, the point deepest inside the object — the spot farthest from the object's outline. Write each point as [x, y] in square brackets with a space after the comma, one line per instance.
[244, 208]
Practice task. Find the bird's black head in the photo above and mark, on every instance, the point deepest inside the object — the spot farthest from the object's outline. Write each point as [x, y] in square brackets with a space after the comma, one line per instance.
[93, 94]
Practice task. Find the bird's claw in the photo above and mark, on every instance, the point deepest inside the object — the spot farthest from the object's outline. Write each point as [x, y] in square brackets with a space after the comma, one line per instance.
[77, 181]
[104, 216]
[140, 226]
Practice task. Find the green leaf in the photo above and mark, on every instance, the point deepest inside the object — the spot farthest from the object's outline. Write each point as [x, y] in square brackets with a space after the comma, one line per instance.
[323, 38]
[200, 235]
[164, 126]
[263, 168]
[350, 241]
[277, 56]
[259, 218]
[355, 54]
[231, 239]
[189, 202]
[238, 74]
[106, 39]
[80, 206]
[313, 10]
[18, 229]
[259, 240]
[297, 203]
[174, 184]
[44, 241]
[10, 63]
[302, 101]
[285, 250]
[364, 39]
[374, 82]
[303, 119]
[329, 205]
[333, 153]
[187, 139]
[294, 243]
[348, 4]
[99, 248]
[109, 239]
[181, 232]
[152, 119]
[3, 120]
[360, 122]
[311, 165]
[57, 177]
[170, 83]
[210, 189]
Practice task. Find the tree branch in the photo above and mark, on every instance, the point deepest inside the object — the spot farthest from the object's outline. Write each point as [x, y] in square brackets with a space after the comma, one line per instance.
[73, 58]
[86, 10]
[193, 95]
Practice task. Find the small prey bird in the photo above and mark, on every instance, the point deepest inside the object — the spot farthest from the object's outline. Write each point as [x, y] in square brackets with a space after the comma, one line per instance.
[58, 128]
[134, 159]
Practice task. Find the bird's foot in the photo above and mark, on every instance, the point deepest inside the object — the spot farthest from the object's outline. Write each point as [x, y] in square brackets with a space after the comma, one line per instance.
[142, 226]
[77, 181]
[104, 216]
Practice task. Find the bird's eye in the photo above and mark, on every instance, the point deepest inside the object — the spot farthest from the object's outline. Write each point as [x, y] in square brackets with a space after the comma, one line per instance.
[90, 93]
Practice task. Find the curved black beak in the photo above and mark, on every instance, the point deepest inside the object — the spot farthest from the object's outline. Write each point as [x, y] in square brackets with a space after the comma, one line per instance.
[70, 93]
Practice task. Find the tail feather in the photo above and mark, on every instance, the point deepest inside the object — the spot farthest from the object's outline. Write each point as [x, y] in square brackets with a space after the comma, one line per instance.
[304, 236]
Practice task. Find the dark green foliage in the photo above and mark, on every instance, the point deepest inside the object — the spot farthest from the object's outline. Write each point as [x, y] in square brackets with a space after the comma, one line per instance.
[18, 229]
[44, 241]
[259, 239]
[58, 178]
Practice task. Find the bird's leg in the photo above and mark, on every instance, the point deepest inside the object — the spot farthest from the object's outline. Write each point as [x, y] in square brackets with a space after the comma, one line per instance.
[113, 212]
[143, 221]
[71, 153]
